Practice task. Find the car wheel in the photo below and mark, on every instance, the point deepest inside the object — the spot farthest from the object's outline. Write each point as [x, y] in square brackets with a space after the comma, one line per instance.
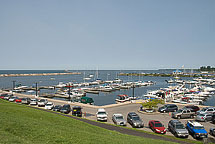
[178, 117]
[164, 111]
[194, 136]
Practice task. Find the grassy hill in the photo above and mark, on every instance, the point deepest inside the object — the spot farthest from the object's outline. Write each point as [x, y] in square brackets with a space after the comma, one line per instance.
[21, 124]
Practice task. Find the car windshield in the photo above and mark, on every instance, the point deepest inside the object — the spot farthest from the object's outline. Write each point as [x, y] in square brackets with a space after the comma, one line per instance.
[49, 104]
[179, 126]
[204, 109]
[202, 115]
[179, 111]
[199, 127]
[102, 113]
[57, 106]
[119, 117]
[136, 118]
[158, 125]
[42, 100]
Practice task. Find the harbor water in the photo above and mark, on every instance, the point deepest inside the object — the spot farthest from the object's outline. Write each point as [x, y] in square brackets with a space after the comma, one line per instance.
[103, 98]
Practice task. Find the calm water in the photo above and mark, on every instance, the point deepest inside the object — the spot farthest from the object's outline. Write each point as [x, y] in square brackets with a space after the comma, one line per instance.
[102, 98]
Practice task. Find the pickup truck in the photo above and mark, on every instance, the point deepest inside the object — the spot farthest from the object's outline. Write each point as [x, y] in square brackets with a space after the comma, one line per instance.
[196, 129]
[183, 113]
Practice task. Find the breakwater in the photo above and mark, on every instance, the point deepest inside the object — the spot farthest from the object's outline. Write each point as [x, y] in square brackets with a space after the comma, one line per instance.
[166, 75]
[39, 74]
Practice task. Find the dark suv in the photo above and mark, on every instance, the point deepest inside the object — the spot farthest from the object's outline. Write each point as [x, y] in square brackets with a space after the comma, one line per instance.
[134, 120]
[66, 109]
[76, 111]
[168, 108]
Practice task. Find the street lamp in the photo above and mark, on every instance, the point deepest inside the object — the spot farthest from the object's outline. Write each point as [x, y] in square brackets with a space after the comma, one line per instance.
[13, 86]
[37, 89]
[69, 86]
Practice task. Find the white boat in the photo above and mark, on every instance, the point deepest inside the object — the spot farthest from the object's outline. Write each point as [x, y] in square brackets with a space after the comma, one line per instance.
[60, 85]
[87, 78]
[122, 98]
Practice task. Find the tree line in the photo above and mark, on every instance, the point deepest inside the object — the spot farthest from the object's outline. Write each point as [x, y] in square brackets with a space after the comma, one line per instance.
[207, 68]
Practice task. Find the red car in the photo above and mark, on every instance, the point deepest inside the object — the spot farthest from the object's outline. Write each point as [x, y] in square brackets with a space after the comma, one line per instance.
[3, 95]
[19, 100]
[157, 126]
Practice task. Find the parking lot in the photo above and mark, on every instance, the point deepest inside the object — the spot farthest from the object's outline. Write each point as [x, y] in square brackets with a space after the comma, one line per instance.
[89, 112]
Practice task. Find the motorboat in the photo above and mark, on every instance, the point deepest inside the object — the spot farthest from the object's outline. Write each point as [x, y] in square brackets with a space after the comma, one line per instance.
[122, 98]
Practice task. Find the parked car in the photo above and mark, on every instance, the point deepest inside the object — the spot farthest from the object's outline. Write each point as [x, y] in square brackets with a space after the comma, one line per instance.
[213, 119]
[76, 111]
[49, 105]
[206, 110]
[134, 120]
[177, 128]
[26, 100]
[183, 113]
[42, 102]
[8, 96]
[204, 117]
[118, 119]
[192, 107]
[212, 131]
[65, 109]
[157, 126]
[34, 102]
[3, 95]
[168, 108]
[57, 108]
[101, 115]
[19, 100]
[196, 129]
[13, 98]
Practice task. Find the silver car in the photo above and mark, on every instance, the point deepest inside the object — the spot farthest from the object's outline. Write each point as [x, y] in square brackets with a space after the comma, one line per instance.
[204, 117]
[177, 128]
[210, 110]
[13, 98]
[34, 102]
[118, 119]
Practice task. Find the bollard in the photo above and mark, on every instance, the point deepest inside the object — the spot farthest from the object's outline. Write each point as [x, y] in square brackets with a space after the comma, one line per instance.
[169, 113]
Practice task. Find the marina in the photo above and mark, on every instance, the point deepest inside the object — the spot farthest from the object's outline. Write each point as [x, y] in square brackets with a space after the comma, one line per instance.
[105, 86]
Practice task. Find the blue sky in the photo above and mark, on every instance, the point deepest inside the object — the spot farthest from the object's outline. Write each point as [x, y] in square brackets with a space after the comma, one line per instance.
[108, 34]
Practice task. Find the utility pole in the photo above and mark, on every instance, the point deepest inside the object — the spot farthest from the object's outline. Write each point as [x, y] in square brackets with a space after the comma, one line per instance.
[133, 90]
[13, 86]
[69, 86]
[36, 88]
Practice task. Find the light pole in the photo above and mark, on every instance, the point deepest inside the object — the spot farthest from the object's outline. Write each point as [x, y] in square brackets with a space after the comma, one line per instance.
[13, 86]
[36, 88]
[133, 90]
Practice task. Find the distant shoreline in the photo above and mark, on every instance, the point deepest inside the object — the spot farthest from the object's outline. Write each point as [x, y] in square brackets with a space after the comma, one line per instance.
[38, 74]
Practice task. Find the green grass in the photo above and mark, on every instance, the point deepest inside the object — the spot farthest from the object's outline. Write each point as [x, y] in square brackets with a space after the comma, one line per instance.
[21, 124]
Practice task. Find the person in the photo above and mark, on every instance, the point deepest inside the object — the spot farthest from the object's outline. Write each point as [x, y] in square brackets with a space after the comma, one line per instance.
[141, 108]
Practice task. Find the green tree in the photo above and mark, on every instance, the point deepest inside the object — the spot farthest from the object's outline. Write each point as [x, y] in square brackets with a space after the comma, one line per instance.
[151, 104]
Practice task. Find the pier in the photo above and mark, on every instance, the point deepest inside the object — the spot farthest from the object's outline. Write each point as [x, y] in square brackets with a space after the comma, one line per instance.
[39, 74]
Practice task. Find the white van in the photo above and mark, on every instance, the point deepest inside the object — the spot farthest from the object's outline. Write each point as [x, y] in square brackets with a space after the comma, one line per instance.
[101, 115]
